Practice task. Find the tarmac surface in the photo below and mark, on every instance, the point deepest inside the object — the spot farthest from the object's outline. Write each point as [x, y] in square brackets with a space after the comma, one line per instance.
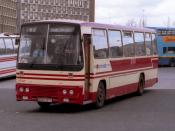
[154, 111]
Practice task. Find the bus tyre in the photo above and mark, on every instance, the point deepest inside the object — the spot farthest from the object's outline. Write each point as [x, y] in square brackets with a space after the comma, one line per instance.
[100, 97]
[141, 86]
[172, 63]
[43, 105]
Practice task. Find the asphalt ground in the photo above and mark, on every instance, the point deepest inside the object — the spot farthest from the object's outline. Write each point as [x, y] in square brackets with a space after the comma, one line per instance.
[154, 111]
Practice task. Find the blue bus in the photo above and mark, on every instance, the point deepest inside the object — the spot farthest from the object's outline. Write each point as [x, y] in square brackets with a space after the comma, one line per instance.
[166, 45]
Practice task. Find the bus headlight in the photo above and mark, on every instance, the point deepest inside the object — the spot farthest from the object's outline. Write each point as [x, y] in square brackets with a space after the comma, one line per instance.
[21, 89]
[27, 90]
[64, 92]
[71, 92]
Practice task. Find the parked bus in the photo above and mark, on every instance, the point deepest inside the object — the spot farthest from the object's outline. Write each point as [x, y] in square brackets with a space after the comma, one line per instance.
[8, 54]
[81, 63]
[166, 46]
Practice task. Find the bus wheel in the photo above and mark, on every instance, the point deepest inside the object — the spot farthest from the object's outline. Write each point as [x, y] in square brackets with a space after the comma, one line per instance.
[100, 97]
[141, 86]
[43, 105]
[172, 63]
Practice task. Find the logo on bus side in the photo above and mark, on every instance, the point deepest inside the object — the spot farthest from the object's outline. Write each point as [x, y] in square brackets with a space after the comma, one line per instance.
[169, 38]
[102, 66]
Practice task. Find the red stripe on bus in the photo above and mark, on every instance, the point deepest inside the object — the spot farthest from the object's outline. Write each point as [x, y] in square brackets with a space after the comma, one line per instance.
[7, 71]
[7, 59]
[129, 64]
[91, 77]
[121, 74]
[33, 78]
[91, 74]
[32, 74]
[113, 74]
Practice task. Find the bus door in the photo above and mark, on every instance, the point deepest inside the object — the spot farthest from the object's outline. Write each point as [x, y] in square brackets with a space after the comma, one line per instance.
[87, 43]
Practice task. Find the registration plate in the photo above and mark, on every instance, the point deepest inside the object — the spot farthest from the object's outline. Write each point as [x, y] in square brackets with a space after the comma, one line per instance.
[44, 99]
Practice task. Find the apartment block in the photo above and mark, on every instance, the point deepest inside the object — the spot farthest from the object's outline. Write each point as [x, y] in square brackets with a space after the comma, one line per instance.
[8, 16]
[35, 10]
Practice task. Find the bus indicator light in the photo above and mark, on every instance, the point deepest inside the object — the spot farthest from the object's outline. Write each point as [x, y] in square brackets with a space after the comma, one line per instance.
[66, 100]
[25, 97]
[21, 89]
[64, 92]
[71, 92]
[27, 90]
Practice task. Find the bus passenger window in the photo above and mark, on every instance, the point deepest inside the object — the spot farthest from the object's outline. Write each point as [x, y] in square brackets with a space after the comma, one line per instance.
[149, 48]
[154, 43]
[165, 50]
[14, 45]
[169, 50]
[2, 47]
[140, 45]
[100, 44]
[115, 43]
[9, 46]
[128, 44]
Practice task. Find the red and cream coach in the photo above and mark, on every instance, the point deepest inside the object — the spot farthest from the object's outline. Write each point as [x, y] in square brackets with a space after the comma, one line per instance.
[76, 62]
[8, 53]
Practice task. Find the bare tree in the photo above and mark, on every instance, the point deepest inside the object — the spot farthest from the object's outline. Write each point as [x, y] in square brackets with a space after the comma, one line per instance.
[131, 22]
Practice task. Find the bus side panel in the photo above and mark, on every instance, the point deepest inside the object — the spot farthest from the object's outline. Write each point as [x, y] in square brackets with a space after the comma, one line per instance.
[164, 61]
[125, 74]
[122, 84]
[7, 66]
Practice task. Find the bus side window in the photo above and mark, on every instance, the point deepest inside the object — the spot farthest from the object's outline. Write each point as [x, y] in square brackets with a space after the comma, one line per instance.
[14, 45]
[149, 48]
[100, 45]
[154, 44]
[115, 43]
[128, 44]
[140, 45]
[9, 46]
[2, 47]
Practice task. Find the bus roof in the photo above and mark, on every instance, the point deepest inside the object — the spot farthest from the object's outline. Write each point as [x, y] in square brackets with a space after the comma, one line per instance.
[162, 28]
[7, 35]
[96, 25]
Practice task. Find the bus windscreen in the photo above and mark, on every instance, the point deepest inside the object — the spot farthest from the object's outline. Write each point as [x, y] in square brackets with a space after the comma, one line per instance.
[50, 46]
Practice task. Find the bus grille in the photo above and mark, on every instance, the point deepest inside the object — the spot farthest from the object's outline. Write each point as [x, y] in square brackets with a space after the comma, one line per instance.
[44, 91]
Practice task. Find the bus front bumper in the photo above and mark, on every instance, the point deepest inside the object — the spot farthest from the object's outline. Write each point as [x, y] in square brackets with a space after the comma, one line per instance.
[51, 94]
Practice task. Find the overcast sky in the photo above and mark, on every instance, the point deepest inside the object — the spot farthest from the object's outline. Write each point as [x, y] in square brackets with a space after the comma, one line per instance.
[155, 12]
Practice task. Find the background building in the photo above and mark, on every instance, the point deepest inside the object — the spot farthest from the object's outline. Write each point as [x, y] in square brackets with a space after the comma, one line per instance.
[8, 16]
[34, 10]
